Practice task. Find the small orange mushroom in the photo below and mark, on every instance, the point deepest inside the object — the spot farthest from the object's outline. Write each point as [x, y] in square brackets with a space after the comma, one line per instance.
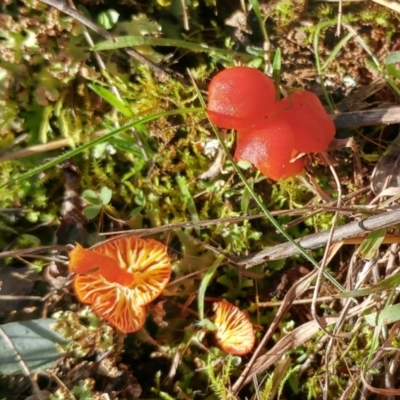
[234, 332]
[118, 278]
[82, 261]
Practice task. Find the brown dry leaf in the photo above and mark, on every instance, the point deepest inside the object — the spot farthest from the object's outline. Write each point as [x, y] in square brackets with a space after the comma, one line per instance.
[294, 339]
[45, 395]
[159, 313]
[14, 282]
[387, 171]
[295, 291]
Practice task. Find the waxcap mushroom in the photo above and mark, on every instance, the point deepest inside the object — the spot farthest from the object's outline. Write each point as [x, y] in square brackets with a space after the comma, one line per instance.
[82, 261]
[269, 147]
[234, 332]
[313, 129]
[239, 97]
[119, 277]
[273, 136]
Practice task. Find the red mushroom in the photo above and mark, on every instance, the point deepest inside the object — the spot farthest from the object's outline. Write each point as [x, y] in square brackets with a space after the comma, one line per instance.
[312, 127]
[118, 278]
[270, 134]
[269, 147]
[239, 97]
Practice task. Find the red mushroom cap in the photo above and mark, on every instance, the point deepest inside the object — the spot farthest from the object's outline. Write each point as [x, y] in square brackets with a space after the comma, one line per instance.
[312, 127]
[269, 147]
[239, 97]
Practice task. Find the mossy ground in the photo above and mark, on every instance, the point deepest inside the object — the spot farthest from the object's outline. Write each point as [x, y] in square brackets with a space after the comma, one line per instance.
[62, 183]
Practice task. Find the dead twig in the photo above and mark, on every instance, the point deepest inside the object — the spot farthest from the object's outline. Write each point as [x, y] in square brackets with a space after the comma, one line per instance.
[379, 116]
[323, 264]
[16, 298]
[24, 252]
[393, 5]
[294, 292]
[318, 240]
[292, 340]
[339, 18]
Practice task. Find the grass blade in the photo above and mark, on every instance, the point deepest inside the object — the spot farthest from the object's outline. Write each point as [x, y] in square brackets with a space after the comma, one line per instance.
[204, 284]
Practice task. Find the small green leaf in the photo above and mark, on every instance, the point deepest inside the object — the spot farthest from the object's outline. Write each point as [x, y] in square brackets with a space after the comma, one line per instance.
[136, 211]
[243, 164]
[107, 19]
[393, 70]
[206, 324]
[6, 228]
[388, 315]
[372, 243]
[277, 65]
[28, 240]
[35, 342]
[245, 200]
[91, 197]
[99, 150]
[105, 195]
[393, 58]
[188, 199]
[110, 98]
[385, 284]
[92, 211]
[140, 198]
[127, 144]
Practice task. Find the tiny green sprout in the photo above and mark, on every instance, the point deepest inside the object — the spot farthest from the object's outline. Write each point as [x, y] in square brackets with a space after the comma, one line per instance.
[96, 201]
[94, 322]
[80, 328]
[84, 391]
[157, 382]
[206, 324]
[236, 360]
[27, 240]
[107, 19]
[243, 164]
[285, 12]
[324, 11]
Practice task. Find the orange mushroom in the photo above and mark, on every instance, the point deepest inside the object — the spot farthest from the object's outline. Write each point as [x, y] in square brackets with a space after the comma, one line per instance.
[234, 332]
[239, 97]
[82, 261]
[118, 278]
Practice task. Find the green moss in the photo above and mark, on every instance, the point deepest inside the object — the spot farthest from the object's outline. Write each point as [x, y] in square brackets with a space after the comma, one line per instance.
[284, 12]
